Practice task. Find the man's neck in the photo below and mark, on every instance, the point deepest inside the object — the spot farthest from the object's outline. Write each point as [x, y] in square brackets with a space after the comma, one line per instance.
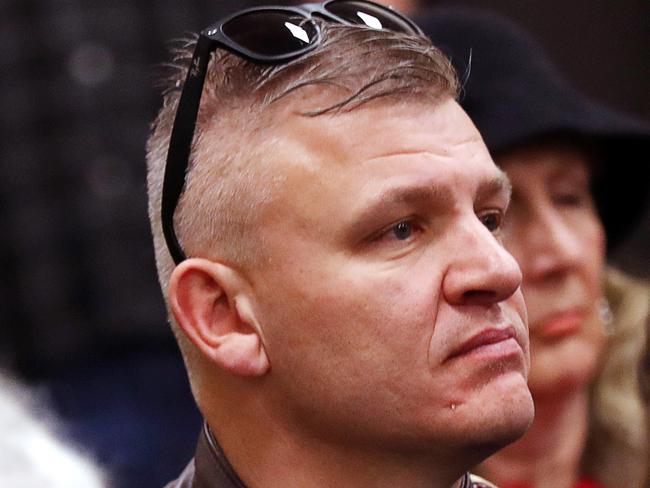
[277, 459]
[549, 454]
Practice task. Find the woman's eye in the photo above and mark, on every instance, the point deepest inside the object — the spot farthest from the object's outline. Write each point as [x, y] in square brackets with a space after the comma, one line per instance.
[491, 220]
[569, 199]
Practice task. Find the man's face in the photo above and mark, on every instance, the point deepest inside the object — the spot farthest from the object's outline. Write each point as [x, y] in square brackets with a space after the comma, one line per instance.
[389, 310]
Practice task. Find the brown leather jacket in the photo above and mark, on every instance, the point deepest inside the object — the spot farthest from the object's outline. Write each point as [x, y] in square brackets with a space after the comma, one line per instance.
[211, 469]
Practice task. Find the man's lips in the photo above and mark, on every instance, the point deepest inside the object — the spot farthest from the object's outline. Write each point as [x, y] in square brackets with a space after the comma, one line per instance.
[491, 341]
[559, 324]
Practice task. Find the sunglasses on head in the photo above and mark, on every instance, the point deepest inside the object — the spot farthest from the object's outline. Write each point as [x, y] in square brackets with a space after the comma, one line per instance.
[265, 35]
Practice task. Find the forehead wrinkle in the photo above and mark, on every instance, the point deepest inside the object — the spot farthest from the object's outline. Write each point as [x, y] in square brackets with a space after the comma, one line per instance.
[409, 152]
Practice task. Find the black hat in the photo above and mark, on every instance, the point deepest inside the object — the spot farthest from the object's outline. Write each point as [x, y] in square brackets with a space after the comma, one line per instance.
[515, 95]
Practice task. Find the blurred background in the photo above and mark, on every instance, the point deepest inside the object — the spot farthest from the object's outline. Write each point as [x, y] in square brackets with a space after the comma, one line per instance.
[81, 314]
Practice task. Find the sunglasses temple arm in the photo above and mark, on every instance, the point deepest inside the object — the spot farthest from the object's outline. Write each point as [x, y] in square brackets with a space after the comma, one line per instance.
[180, 143]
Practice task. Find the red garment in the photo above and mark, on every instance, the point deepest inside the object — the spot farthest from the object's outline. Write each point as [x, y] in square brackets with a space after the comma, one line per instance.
[582, 483]
[587, 483]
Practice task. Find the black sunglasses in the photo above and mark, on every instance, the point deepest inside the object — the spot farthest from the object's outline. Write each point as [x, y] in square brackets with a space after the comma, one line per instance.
[265, 35]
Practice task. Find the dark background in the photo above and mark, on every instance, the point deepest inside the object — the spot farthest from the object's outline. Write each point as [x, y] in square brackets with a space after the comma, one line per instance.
[602, 48]
[80, 307]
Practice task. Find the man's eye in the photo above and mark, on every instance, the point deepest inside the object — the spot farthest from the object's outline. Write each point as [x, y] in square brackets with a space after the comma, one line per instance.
[402, 230]
[491, 220]
[399, 234]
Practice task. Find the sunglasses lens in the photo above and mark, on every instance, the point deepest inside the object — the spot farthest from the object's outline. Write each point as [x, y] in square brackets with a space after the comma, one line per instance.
[368, 14]
[271, 33]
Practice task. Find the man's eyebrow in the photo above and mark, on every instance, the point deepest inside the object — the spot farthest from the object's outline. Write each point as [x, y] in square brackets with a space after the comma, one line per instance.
[422, 191]
[430, 193]
[499, 184]
[403, 193]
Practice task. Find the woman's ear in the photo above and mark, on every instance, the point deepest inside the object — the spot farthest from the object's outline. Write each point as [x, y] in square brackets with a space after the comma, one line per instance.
[211, 305]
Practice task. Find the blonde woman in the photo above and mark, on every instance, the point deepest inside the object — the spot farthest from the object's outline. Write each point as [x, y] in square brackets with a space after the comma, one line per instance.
[576, 170]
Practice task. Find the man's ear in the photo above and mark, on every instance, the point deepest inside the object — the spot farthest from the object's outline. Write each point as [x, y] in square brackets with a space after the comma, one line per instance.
[210, 304]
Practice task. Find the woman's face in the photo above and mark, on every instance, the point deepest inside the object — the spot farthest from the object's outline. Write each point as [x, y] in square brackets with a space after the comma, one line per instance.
[553, 230]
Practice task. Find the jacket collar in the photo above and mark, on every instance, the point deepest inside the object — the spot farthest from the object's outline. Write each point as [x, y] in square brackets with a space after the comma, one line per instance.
[212, 469]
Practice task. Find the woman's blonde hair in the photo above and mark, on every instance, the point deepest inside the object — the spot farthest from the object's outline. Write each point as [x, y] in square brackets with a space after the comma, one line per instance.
[617, 452]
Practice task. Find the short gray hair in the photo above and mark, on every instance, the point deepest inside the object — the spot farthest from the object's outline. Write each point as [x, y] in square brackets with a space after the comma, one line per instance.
[228, 181]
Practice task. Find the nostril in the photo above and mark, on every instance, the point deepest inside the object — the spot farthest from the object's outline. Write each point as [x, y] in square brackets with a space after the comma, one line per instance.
[480, 296]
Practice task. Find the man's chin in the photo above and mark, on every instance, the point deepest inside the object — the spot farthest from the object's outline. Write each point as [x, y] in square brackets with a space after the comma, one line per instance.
[511, 425]
[498, 416]
[503, 435]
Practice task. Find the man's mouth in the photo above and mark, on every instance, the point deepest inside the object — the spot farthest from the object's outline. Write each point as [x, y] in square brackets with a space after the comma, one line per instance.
[491, 343]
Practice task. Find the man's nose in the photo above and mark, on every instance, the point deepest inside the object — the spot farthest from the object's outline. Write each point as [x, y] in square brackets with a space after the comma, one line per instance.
[481, 271]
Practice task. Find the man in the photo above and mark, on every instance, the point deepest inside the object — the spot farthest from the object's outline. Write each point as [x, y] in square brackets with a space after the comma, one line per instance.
[346, 311]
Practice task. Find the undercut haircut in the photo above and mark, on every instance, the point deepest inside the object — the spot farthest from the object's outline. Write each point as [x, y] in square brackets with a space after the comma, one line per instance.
[229, 180]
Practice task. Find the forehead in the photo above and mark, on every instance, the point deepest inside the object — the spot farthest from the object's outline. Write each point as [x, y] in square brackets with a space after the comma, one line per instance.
[545, 163]
[382, 138]
[367, 165]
